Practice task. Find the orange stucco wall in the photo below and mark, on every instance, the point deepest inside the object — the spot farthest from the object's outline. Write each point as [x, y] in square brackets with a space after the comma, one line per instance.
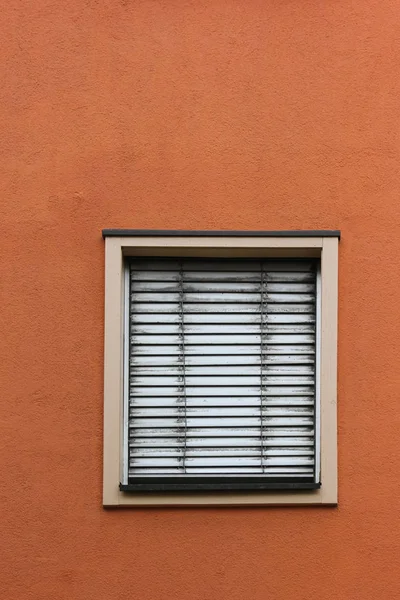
[225, 114]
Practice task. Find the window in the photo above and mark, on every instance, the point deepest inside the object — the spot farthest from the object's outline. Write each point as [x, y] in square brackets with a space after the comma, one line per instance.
[220, 368]
[221, 375]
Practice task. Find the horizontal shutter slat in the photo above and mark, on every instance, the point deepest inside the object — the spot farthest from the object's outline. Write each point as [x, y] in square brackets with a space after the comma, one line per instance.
[223, 319]
[291, 277]
[199, 287]
[274, 348]
[208, 402]
[204, 264]
[220, 370]
[216, 264]
[208, 340]
[175, 391]
[217, 330]
[226, 461]
[218, 308]
[192, 339]
[218, 411]
[287, 298]
[220, 380]
[214, 453]
[139, 361]
[283, 472]
[190, 391]
[220, 422]
[290, 308]
[233, 349]
[207, 297]
[227, 432]
[215, 443]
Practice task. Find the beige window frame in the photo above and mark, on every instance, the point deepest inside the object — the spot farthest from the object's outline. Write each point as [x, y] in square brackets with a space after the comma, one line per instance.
[120, 244]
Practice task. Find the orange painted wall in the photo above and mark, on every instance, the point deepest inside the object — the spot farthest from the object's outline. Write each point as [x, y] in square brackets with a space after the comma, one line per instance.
[218, 114]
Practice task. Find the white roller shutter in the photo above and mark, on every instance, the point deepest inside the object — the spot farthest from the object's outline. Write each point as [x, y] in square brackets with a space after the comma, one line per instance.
[222, 371]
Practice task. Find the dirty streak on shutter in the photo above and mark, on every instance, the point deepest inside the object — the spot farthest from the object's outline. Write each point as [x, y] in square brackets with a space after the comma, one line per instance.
[222, 368]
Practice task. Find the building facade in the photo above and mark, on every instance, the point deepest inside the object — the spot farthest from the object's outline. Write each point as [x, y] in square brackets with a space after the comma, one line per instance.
[185, 115]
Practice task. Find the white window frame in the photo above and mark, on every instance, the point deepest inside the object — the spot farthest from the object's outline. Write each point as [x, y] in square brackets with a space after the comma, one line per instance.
[120, 244]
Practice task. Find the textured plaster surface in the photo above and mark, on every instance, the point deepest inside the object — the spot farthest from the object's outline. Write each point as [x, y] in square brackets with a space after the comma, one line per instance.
[208, 115]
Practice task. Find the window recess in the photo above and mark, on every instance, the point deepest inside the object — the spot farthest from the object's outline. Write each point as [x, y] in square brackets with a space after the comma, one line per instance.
[221, 370]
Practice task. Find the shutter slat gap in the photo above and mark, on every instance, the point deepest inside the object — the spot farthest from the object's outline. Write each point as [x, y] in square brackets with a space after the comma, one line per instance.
[182, 336]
